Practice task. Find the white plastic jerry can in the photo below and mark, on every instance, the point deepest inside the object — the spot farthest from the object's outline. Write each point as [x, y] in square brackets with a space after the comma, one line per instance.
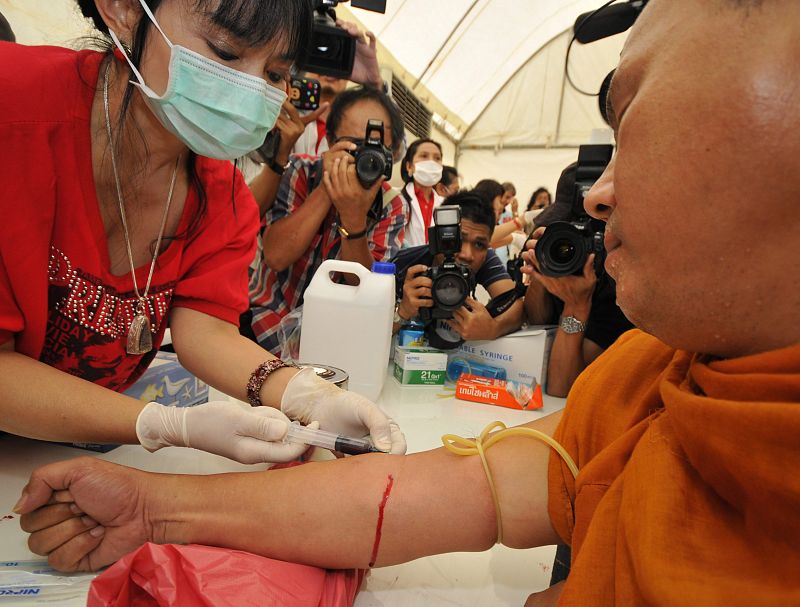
[350, 327]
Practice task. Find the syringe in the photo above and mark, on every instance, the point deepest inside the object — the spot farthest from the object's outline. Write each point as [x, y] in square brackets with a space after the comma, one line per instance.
[329, 440]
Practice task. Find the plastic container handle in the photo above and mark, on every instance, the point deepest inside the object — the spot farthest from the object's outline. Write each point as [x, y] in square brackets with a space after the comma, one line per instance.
[346, 267]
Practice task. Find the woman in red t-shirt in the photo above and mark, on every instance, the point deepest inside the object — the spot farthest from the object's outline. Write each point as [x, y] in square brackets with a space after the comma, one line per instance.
[421, 170]
[122, 214]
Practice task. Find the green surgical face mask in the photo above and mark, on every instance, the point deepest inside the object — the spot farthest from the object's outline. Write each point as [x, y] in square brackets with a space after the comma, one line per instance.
[215, 110]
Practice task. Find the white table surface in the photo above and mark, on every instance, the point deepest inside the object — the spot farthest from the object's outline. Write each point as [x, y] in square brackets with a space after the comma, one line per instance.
[500, 576]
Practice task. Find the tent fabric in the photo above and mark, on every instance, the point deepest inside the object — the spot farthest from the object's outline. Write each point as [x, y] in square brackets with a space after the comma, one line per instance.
[466, 51]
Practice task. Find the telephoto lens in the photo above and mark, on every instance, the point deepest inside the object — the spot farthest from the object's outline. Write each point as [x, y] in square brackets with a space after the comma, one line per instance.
[565, 246]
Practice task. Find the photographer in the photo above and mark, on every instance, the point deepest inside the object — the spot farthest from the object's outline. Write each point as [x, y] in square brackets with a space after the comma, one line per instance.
[323, 211]
[583, 306]
[472, 321]
[305, 133]
[421, 171]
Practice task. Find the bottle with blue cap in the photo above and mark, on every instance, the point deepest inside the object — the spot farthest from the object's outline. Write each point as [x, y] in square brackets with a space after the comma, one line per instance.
[350, 327]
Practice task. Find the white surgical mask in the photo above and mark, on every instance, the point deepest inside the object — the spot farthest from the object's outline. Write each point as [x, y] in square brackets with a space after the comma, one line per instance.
[427, 173]
[215, 110]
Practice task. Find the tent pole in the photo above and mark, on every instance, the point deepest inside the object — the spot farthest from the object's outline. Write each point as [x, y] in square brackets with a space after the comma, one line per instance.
[444, 44]
[561, 102]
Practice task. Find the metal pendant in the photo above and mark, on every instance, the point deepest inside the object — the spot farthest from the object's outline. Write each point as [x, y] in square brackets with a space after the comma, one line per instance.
[140, 339]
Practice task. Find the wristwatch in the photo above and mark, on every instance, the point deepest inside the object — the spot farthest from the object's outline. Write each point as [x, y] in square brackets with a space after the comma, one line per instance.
[277, 168]
[398, 320]
[347, 235]
[571, 325]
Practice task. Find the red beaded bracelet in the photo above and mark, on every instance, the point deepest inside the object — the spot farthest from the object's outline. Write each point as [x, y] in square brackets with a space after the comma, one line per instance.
[260, 375]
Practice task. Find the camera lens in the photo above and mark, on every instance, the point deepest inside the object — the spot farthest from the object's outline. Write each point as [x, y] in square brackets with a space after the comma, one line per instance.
[450, 291]
[369, 167]
[562, 251]
[327, 47]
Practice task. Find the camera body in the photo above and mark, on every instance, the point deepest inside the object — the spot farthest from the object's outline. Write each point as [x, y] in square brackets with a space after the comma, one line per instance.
[565, 246]
[332, 50]
[452, 282]
[373, 158]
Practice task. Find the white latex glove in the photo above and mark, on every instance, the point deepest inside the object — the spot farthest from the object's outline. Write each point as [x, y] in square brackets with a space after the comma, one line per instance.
[310, 398]
[250, 435]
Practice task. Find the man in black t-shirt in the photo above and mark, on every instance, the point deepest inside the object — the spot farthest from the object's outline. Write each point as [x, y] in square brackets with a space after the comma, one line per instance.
[472, 321]
[583, 306]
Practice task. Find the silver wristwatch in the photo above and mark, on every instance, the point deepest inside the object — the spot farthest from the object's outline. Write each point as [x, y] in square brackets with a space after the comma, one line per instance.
[571, 325]
[398, 320]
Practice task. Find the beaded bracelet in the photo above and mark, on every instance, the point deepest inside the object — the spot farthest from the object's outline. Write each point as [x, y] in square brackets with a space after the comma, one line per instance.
[260, 375]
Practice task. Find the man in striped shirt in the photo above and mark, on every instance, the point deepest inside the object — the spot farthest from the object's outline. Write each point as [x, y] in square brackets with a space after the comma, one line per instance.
[323, 212]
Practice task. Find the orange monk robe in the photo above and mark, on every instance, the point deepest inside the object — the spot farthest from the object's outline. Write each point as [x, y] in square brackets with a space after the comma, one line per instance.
[689, 484]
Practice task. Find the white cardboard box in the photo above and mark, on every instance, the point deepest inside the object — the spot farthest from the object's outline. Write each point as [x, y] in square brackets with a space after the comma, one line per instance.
[523, 354]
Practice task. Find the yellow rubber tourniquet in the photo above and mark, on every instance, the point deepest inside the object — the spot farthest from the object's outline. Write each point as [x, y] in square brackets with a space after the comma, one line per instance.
[470, 446]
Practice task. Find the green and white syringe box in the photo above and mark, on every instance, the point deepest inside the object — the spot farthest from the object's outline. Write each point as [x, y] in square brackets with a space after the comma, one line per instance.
[420, 366]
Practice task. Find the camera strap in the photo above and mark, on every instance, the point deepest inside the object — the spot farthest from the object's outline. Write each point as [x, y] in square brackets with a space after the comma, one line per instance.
[503, 302]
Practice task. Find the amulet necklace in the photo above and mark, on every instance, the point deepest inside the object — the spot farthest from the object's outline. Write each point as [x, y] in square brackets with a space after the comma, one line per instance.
[140, 337]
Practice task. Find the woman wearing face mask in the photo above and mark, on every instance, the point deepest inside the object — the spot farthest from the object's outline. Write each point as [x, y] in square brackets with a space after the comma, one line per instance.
[421, 171]
[128, 216]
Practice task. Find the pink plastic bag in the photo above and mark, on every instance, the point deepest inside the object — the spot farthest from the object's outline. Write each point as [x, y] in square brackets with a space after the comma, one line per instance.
[200, 576]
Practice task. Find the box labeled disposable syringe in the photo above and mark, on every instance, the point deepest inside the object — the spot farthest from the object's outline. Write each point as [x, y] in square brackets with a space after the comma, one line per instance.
[420, 366]
[522, 356]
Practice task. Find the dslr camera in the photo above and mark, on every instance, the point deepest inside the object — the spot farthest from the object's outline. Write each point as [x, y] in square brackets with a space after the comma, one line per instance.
[566, 245]
[373, 158]
[333, 50]
[452, 282]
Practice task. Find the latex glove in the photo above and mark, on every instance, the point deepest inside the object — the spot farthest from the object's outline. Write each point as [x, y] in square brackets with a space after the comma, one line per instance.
[249, 435]
[310, 398]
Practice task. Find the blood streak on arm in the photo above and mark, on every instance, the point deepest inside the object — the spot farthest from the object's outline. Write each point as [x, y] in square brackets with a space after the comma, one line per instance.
[379, 528]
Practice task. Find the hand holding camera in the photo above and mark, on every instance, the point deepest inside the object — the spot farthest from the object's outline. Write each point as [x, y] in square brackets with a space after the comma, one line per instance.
[346, 192]
[473, 322]
[416, 292]
[354, 173]
[575, 289]
[289, 127]
[366, 70]
[451, 282]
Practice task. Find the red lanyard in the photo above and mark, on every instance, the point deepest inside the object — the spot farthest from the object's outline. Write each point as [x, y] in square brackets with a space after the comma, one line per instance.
[425, 207]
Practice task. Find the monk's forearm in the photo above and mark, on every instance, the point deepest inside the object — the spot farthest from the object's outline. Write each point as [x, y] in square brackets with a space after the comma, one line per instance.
[327, 514]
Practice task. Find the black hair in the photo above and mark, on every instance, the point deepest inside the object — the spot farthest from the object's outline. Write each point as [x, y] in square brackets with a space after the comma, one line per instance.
[565, 207]
[449, 175]
[409, 157]
[350, 97]
[535, 195]
[509, 187]
[474, 207]
[6, 33]
[489, 188]
[253, 21]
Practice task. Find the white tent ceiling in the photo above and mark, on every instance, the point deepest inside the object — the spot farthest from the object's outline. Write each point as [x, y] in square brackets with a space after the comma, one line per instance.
[466, 51]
